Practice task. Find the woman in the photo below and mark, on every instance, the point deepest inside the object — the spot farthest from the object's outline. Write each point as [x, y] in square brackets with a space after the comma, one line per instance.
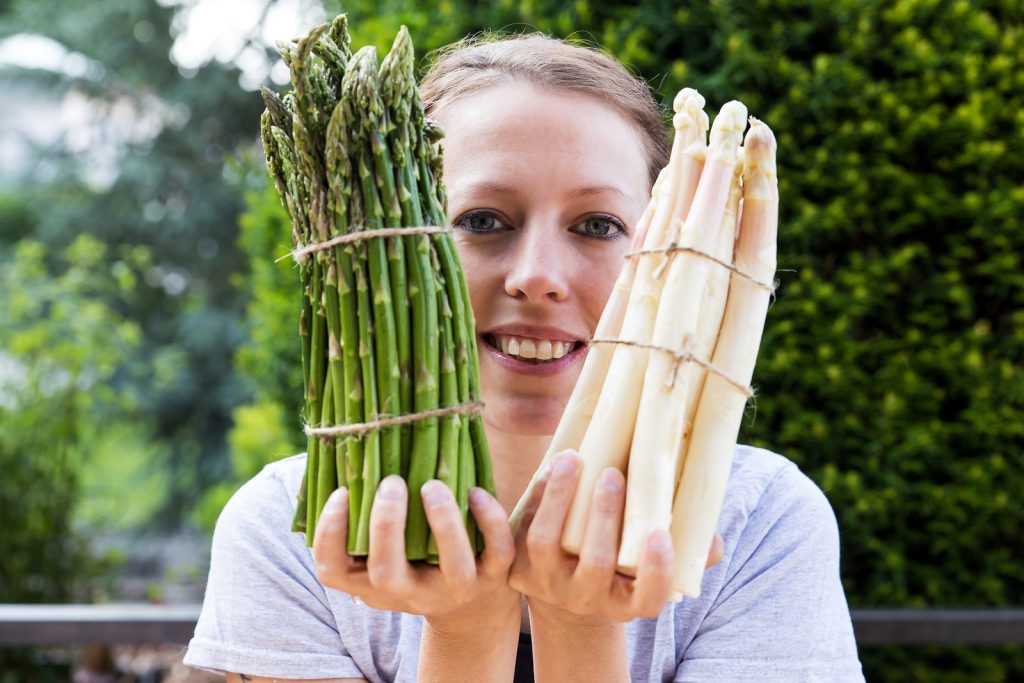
[550, 154]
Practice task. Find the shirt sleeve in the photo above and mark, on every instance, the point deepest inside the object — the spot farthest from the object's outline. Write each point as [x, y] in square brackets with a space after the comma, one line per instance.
[265, 613]
[781, 614]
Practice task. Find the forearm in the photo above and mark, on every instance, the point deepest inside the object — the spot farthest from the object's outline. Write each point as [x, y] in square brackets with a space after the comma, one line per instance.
[570, 648]
[481, 654]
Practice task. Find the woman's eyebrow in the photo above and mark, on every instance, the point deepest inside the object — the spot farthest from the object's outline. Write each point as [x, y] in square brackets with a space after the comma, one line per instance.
[491, 186]
[585, 191]
[596, 189]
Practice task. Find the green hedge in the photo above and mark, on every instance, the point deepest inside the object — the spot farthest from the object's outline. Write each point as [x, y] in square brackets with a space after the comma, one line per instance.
[891, 368]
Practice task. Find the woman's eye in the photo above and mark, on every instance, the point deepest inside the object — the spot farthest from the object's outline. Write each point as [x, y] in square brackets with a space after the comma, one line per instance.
[604, 227]
[479, 221]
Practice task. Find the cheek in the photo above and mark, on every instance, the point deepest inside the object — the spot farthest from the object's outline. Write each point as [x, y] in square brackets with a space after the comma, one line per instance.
[599, 278]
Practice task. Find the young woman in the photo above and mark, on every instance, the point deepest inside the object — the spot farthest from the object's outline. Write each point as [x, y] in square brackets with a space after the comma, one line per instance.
[550, 154]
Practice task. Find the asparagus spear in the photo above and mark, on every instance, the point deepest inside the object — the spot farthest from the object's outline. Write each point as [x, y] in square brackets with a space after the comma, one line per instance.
[448, 469]
[361, 97]
[387, 149]
[339, 183]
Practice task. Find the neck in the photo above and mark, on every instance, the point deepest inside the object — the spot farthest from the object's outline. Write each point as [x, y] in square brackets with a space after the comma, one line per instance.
[515, 458]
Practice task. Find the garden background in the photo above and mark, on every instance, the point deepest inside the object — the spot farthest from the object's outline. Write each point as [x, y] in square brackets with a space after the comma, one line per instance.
[148, 346]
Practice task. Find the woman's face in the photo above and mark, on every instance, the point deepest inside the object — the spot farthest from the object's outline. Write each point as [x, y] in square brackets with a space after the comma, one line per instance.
[544, 190]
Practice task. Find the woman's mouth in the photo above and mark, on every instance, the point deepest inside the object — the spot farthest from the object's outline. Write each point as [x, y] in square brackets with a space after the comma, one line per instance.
[525, 348]
[531, 355]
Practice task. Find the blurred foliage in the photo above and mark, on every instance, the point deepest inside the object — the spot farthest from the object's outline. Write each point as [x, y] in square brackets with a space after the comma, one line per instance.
[267, 427]
[151, 176]
[891, 367]
[63, 345]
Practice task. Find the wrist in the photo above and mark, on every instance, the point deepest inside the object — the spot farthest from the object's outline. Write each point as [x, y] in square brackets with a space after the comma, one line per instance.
[568, 646]
[546, 613]
[483, 618]
[470, 644]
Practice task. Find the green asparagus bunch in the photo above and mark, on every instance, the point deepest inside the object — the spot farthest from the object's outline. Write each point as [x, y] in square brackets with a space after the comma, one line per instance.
[385, 321]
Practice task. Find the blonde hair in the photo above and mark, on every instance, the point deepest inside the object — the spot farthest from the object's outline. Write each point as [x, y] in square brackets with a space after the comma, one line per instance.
[481, 61]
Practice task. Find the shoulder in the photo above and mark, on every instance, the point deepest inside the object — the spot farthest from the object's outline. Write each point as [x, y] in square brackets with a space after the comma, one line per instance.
[264, 503]
[265, 612]
[761, 479]
[779, 575]
[276, 485]
[767, 496]
[253, 542]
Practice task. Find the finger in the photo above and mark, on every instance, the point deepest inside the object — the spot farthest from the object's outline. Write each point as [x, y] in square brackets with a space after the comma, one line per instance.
[499, 546]
[330, 553]
[653, 585]
[717, 551]
[601, 538]
[455, 556]
[387, 567]
[543, 538]
[529, 496]
[533, 502]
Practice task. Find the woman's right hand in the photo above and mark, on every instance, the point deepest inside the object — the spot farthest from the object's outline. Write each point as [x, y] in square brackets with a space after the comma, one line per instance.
[587, 589]
[462, 593]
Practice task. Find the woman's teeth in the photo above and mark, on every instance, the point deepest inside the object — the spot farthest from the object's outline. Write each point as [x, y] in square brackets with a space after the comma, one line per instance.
[533, 349]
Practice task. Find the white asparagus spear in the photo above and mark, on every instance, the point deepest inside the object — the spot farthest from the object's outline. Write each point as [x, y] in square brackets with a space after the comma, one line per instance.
[689, 315]
[605, 442]
[718, 292]
[720, 409]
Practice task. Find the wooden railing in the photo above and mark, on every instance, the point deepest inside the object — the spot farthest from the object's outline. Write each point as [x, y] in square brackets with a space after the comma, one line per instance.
[140, 623]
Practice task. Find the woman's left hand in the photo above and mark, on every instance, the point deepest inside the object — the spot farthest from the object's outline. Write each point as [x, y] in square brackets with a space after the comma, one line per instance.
[588, 586]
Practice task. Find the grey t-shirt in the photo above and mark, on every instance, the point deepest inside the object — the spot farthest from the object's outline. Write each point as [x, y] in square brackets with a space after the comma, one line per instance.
[772, 610]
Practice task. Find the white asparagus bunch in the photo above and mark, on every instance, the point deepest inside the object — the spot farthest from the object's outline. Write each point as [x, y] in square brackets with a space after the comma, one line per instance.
[701, 488]
[663, 401]
[689, 315]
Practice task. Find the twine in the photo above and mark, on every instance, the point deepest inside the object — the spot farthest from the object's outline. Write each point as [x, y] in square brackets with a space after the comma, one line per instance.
[674, 248]
[361, 428]
[681, 357]
[303, 250]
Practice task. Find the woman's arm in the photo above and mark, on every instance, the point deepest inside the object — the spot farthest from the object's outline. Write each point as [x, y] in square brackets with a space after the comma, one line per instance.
[471, 616]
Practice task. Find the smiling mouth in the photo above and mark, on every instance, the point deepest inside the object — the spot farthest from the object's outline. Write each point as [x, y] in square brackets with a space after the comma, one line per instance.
[529, 349]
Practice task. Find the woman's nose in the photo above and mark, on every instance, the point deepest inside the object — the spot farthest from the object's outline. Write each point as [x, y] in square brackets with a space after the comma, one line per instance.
[540, 267]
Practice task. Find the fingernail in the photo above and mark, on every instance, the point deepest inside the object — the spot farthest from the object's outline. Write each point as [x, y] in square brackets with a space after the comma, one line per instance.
[565, 464]
[611, 482]
[477, 496]
[434, 493]
[390, 488]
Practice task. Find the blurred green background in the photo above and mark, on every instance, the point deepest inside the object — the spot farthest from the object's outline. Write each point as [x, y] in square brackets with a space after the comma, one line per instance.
[148, 355]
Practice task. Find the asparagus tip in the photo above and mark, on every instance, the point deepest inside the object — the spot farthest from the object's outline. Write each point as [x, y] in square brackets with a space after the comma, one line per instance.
[761, 146]
[686, 99]
[727, 130]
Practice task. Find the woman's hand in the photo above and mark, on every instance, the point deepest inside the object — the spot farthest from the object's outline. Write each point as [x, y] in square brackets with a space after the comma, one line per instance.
[463, 592]
[588, 587]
